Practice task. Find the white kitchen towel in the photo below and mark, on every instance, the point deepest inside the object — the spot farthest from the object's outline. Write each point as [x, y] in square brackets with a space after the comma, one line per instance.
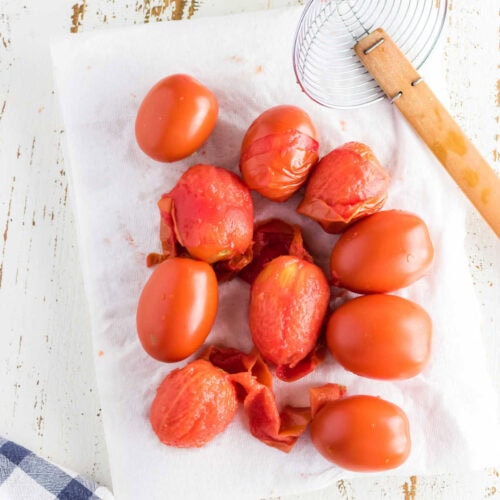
[245, 59]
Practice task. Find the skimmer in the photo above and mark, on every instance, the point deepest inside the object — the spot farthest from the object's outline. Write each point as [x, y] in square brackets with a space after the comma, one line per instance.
[350, 53]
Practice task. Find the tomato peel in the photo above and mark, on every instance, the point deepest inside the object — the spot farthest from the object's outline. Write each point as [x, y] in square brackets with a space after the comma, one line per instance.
[305, 366]
[272, 238]
[319, 396]
[253, 380]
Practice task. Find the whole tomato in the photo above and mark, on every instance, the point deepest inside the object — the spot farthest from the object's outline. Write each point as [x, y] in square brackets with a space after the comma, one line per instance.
[362, 433]
[346, 185]
[382, 253]
[212, 213]
[288, 302]
[278, 150]
[175, 118]
[177, 308]
[380, 336]
[192, 405]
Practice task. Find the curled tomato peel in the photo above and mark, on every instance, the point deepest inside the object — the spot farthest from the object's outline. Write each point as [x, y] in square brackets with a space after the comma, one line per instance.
[305, 366]
[233, 361]
[319, 396]
[272, 238]
[253, 383]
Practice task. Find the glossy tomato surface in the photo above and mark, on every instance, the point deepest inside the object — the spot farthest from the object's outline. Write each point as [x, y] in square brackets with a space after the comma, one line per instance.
[212, 211]
[288, 302]
[175, 118]
[177, 308]
[362, 433]
[278, 151]
[380, 336]
[382, 253]
[192, 405]
[347, 184]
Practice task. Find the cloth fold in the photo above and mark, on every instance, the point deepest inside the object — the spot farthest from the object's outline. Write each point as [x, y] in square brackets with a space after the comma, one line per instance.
[25, 475]
[245, 60]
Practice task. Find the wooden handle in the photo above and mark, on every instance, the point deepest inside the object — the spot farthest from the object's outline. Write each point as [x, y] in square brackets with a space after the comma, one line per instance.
[413, 97]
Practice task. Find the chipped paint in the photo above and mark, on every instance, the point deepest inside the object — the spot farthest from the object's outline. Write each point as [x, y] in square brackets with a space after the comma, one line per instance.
[490, 491]
[342, 488]
[77, 16]
[32, 151]
[410, 490]
[6, 228]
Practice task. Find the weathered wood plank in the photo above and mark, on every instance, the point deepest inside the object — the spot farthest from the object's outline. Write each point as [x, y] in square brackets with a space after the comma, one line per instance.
[49, 399]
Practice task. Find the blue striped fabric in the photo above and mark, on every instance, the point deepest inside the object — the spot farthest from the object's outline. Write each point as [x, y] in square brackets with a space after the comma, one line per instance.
[24, 474]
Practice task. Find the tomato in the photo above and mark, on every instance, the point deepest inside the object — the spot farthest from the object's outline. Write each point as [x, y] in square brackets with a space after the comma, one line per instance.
[380, 336]
[278, 151]
[192, 405]
[382, 252]
[288, 301]
[347, 184]
[362, 433]
[177, 308]
[175, 118]
[211, 211]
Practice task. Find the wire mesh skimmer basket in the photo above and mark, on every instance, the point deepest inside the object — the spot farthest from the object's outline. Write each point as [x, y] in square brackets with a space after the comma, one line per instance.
[350, 53]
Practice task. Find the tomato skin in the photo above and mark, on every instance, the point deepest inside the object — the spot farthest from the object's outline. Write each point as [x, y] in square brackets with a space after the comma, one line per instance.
[362, 433]
[175, 118]
[212, 213]
[347, 184]
[278, 151]
[380, 336]
[288, 302]
[192, 405]
[381, 253]
[177, 308]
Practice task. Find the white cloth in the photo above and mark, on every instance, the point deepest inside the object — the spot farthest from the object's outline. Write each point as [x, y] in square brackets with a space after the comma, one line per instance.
[245, 59]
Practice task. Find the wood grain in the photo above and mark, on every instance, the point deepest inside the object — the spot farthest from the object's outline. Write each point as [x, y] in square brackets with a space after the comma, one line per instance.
[49, 397]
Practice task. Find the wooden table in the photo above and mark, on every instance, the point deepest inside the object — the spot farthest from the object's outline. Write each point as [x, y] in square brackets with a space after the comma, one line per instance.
[49, 401]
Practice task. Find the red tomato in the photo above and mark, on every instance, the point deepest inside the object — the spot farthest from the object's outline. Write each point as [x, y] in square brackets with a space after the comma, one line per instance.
[177, 308]
[346, 185]
[380, 336]
[278, 150]
[212, 213]
[382, 252]
[175, 118]
[193, 405]
[288, 302]
[362, 433]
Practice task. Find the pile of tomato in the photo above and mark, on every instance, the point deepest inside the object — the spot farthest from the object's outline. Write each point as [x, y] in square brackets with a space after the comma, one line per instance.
[208, 235]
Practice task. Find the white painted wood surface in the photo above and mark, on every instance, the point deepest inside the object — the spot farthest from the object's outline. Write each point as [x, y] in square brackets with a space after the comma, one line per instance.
[48, 400]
